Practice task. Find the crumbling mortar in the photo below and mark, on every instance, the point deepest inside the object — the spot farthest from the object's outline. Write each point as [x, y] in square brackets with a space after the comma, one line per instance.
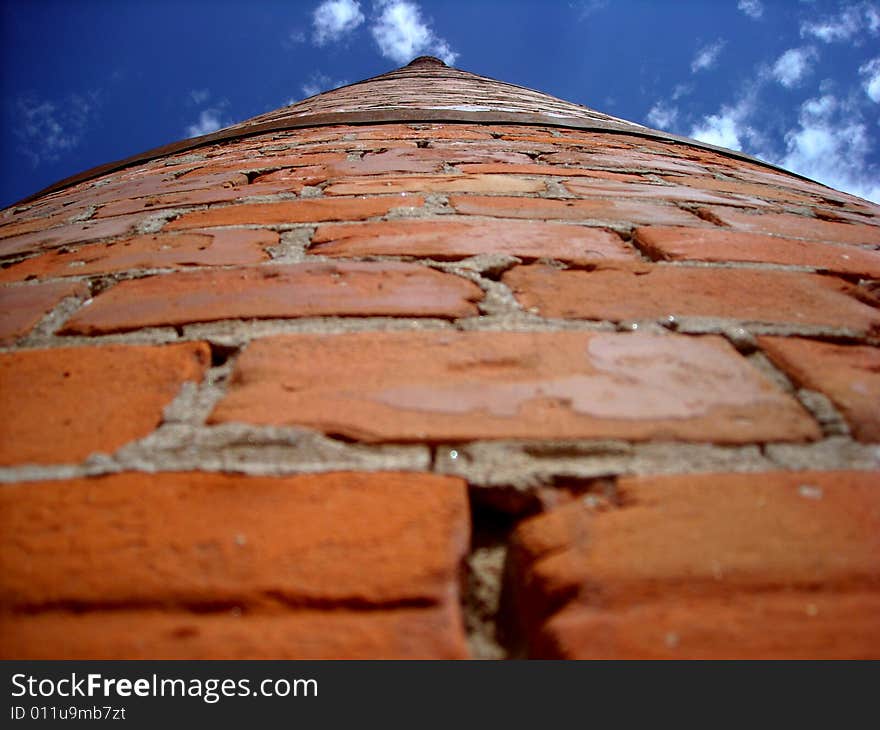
[521, 466]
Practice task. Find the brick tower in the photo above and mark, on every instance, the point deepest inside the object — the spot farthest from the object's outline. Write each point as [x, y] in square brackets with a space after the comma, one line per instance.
[434, 365]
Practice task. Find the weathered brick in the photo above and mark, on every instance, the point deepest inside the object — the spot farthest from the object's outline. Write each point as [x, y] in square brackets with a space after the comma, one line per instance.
[221, 247]
[797, 226]
[802, 625]
[620, 292]
[624, 160]
[91, 230]
[430, 632]
[456, 386]
[298, 290]
[197, 197]
[66, 403]
[738, 187]
[447, 238]
[295, 211]
[718, 244]
[491, 184]
[584, 188]
[556, 170]
[708, 565]
[848, 374]
[349, 539]
[22, 307]
[545, 208]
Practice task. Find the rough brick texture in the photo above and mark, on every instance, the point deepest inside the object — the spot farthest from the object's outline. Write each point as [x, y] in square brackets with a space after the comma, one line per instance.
[652, 292]
[63, 404]
[708, 566]
[300, 290]
[256, 544]
[250, 382]
[22, 307]
[701, 244]
[461, 386]
[848, 374]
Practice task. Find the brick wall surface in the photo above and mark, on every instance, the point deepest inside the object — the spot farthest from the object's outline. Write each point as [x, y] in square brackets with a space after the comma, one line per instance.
[444, 389]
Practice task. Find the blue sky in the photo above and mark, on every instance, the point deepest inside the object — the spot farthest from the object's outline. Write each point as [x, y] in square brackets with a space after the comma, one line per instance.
[89, 81]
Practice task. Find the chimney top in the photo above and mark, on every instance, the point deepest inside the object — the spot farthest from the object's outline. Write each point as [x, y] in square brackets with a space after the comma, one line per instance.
[426, 61]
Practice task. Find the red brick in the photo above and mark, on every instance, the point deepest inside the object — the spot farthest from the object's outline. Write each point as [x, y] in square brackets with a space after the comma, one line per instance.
[63, 404]
[222, 247]
[261, 162]
[620, 292]
[491, 184]
[420, 131]
[458, 386]
[624, 160]
[447, 238]
[360, 540]
[370, 555]
[797, 226]
[298, 290]
[297, 176]
[688, 563]
[197, 197]
[432, 632]
[718, 244]
[556, 170]
[545, 208]
[91, 230]
[40, 220]
[653, 191]
[22, 307]
[738, 187]
[295, 211]
[848, 374]
[803, 625]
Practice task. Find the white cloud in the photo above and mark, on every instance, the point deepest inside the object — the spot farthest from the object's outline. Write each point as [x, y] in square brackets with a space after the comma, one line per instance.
[832, 144]
[333, 19]
[753, 8]
[730, 127]
[585, 8]
[793, 65]
[662, 115]
[319, 82]
[46, 129]
[199, 96]
[209, 121]
[402, 34]
[707, 56]
[849, 22]
[871, 73]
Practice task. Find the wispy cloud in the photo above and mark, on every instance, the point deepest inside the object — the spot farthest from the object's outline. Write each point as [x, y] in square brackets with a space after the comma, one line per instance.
[793, 65]
[211, 118]
[707, 56]
[753, 8]
[730, 126]
[199, 96]
[47, 129]
[663, 115]
[832, 144]
[319, 82]
[870, 73]
[585, 8]
[401, 33]
[209, 121]
[334, 19]
[852, 20]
